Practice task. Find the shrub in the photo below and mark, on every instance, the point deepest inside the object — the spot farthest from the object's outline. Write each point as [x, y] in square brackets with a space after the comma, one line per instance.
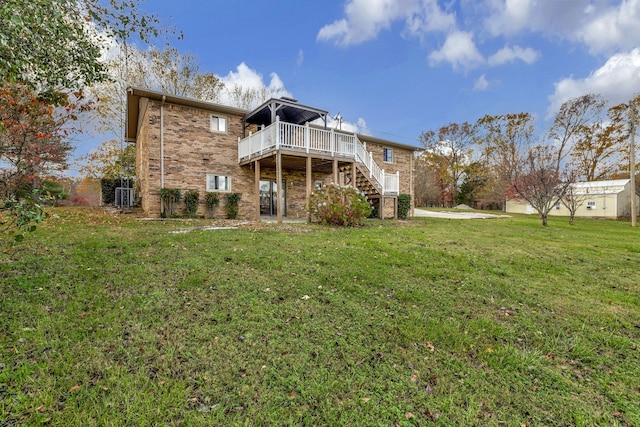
[212, 200]
[170, 198]
[404, 205]
[231, 205]
[336, 205]
[191, 202]
[18, 216]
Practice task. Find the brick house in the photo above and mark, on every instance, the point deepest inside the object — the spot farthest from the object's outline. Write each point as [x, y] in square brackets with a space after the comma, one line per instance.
[190, 144]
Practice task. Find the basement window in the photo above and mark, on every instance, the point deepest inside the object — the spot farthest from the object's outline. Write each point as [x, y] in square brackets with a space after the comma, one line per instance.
[387, 155]
[591, 205]
[218, 182]
[218, 124]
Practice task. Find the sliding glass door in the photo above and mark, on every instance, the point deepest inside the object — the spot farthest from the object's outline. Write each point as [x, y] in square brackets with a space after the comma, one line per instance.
[269, 198]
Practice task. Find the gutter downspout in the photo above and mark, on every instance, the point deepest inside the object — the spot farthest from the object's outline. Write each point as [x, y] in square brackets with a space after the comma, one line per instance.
[164, 98]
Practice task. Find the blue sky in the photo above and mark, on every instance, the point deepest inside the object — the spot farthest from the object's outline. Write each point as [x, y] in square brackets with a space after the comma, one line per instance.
[401, 67]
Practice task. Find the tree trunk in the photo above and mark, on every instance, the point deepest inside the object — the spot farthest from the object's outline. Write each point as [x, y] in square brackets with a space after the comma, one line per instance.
[544, 219]
[571, 218]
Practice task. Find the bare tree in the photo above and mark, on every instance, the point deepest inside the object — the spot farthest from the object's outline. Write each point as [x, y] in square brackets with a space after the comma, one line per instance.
[572, 200]
[540, 181]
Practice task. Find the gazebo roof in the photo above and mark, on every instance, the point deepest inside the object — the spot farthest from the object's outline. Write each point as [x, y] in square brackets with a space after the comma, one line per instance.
[287, 110]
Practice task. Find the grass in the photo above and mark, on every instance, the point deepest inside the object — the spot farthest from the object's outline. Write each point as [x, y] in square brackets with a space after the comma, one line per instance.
[110, 321]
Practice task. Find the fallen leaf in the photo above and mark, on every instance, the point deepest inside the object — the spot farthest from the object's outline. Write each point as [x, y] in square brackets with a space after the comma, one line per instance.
[74, 388]
[431, 347]
[409, 415]
[83, 315]
[414, 378]
[365, 399]
[489, 350]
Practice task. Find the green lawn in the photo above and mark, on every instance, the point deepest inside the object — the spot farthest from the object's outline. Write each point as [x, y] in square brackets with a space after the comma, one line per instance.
[109, 321]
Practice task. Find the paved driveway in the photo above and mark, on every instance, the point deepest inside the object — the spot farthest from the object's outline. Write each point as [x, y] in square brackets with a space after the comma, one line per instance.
[456, 215]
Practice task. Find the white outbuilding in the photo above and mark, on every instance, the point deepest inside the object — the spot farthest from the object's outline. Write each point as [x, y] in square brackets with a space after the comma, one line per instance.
[597, 199]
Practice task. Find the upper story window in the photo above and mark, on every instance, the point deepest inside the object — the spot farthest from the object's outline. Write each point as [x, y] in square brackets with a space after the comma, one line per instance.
[218, 182]
[218, 124]
[387, 155]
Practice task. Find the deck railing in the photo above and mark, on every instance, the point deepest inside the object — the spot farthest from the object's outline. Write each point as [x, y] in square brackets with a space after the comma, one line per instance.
[289, 136]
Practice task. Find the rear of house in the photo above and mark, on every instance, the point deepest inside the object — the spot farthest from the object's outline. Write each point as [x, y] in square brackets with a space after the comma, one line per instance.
[595, 199]
[188, 144]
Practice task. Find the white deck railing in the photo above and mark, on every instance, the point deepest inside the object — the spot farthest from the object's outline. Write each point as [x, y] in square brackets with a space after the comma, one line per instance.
[288, 136]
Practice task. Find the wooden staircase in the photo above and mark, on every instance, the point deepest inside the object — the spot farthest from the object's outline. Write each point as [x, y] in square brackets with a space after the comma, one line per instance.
[362, 181]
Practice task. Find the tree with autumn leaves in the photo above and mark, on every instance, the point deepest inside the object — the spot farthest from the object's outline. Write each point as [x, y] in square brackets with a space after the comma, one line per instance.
[501, 156]
[49, 53]
[34, 138]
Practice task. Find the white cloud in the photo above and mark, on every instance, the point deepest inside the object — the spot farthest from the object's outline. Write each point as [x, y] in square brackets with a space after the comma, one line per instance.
[246, 88]
[618, 80]
[459, 50]
[429, 17]
[604, 26]
[510, 54]
[612, 28]
[364, 19]
[481, 84]
[510, 16]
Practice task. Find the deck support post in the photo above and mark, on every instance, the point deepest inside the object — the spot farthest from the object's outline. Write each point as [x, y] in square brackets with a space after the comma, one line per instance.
[335, 171]
[257, 187]
[309, 186]
[279, 185]
[353, 175]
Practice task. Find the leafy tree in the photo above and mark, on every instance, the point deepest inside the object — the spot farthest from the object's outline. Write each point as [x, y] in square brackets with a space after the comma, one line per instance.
[622, 114]
[49, 51]
[55, 45]
[165, 70]
[47, 45]
[503, 139]
[449, 151]
[475, 178]
[427, 183]
[109, 160]
[577, 117]
[34, 140]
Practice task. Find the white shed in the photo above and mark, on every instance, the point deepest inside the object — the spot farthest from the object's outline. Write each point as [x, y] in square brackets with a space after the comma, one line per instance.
[597, 199]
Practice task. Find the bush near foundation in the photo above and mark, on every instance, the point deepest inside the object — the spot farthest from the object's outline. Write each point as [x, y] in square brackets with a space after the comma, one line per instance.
[404, 205]
[336, 205]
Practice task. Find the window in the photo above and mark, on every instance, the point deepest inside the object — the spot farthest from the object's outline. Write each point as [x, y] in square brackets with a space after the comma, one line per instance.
[387, 155]
[557, 205]
[218, 124]
[591, 205]
[218, 183]
[318, 185]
